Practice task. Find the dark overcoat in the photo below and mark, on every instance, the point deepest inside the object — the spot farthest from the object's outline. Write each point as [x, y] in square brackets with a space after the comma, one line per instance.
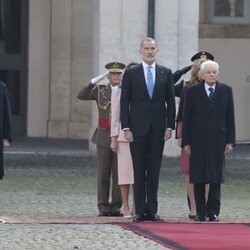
[207, 127]
[5, 123]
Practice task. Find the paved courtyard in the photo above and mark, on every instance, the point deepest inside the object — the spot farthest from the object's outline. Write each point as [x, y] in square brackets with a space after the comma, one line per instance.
[48, 198]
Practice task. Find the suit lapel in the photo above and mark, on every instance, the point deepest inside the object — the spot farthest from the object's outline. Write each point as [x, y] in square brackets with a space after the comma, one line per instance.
[159, 75]
[157, 78]
[202, 93]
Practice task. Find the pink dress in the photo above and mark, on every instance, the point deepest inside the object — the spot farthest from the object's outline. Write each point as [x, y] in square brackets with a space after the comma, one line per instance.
[125, 165]
[184, 162]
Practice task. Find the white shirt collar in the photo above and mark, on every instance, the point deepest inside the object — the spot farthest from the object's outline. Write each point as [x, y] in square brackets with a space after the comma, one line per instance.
[208, 86]
[145, 66]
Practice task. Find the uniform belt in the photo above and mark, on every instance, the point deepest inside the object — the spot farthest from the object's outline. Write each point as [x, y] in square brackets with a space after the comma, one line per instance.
[103, 123]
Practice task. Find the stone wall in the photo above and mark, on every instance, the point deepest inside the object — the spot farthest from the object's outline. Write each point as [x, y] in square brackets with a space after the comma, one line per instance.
[72, 40]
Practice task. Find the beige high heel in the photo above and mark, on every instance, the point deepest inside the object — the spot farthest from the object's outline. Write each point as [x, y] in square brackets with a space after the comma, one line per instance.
[128, 216]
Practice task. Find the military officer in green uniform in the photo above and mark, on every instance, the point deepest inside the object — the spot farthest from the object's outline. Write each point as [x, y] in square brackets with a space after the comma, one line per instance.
[106, 158]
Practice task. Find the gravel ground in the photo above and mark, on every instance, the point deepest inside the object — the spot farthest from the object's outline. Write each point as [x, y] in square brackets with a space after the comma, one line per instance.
[51, 183]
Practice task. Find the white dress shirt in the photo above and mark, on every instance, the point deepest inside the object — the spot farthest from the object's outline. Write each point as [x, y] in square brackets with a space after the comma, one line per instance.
[208, 86]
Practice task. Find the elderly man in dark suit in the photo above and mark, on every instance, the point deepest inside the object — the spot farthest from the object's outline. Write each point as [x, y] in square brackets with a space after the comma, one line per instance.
[208, 134]
[147, 118]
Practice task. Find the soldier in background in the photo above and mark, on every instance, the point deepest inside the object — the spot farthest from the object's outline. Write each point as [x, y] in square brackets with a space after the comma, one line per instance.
[202, 55]
[106, 158]
[177, 75]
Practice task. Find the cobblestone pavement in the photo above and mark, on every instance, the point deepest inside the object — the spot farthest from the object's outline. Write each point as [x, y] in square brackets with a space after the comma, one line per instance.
[49, 194]
[86, 236]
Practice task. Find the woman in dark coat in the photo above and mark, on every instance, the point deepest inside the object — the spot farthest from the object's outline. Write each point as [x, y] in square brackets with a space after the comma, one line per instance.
[5, 124]
[184, 161]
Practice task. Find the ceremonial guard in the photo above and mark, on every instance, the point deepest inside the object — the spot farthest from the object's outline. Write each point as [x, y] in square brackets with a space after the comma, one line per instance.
[106, 158]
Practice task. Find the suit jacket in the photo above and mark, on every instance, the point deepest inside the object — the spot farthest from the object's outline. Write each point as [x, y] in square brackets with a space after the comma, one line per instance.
[138, 111]
[207, 127]
[102, 95]
[115, 129]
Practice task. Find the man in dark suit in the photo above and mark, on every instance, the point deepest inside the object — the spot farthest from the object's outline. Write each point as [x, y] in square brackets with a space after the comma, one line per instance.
[147, 118]
[5, 126]
[208, 134]
[106, 158]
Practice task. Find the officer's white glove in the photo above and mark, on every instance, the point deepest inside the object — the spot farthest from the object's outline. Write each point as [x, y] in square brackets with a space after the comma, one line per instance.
[99, 78]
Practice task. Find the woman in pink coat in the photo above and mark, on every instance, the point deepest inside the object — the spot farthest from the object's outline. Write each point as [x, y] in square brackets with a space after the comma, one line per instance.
[121, 146]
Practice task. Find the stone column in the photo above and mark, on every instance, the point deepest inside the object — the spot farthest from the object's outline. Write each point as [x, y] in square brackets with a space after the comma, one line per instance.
[71, 68]
[176, 33]
[61, 30]
[118, 30]
[188, 24]
[134, 29]
[39, 67]
[81, 67]
[107, 23]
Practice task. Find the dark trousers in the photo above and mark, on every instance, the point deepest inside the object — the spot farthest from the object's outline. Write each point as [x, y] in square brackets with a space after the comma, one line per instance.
[212, 206]
[1, 161]
[146, 154]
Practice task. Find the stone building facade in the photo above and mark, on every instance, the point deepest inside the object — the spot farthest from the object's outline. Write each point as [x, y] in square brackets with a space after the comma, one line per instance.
[69, 41]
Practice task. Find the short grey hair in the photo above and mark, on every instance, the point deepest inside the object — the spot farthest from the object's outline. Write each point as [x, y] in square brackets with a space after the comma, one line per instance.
[147, 39]
[208, 62]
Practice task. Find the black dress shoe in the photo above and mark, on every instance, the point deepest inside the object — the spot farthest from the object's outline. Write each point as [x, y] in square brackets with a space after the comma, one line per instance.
[153, 217]
[213, 218]
[199, 218]
[103, 213]
[138, 218]
[116, 214]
